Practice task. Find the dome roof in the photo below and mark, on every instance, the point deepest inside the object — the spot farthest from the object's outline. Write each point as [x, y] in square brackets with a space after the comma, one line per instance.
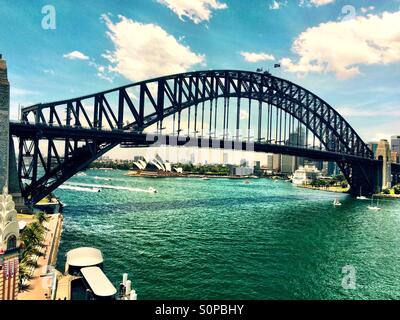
[84, 257]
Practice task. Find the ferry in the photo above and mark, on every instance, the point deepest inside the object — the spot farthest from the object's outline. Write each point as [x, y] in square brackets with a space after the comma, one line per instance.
[49, 205]
[84, 279]
[305, 175]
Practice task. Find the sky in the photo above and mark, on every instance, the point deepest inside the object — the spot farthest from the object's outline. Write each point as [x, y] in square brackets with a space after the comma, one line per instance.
[347, 52]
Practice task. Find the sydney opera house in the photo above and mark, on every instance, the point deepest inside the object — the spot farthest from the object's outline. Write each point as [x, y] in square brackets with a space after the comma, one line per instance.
[154, 167]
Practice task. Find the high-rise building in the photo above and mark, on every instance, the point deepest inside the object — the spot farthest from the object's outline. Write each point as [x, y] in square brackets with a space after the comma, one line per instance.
[373, 146]
[395, 156]
[333, 169]
[225, 159]
[277, 159]
[192, 159]
[270, 162]
[9, 248]
[290, 164]
[383, 153]
[395, 144]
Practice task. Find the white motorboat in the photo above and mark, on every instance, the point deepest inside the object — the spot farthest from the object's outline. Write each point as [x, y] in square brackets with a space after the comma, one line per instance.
[337, 203]
[152, 190]
[373, 207]
[361, 197]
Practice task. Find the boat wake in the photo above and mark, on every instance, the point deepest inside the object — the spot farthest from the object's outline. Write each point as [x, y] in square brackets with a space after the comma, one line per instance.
[102, 178]
[106, 186]
[77, 188]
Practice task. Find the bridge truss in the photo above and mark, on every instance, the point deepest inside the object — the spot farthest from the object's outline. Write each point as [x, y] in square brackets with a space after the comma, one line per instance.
[207, 108]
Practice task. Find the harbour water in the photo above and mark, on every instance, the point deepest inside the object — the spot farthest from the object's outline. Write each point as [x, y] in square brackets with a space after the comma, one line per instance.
[223, 239]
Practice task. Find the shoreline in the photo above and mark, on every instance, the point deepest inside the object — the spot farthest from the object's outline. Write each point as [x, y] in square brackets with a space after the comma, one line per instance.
[40, 286]
[343, 191]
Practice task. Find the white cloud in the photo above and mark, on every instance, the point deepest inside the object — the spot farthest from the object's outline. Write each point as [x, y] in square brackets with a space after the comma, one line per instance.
[366, 113]
[195, 10]
[315, 3]
[276, 5]
[76, 55]
[49, 71]
[318, 3]
[143, 51]
[367, 9]
[244, 115]
[342, 47]
[257, 57]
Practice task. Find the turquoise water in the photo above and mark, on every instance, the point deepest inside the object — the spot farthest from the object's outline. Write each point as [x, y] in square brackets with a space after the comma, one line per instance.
[222, 239]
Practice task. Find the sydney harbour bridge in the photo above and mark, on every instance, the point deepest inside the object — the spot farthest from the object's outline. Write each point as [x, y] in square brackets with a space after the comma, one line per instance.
[56, 140]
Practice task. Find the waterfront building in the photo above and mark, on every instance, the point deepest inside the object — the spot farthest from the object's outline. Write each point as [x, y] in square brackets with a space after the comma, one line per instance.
[333, 169]
[192, 159]
[383, 153]
[9, 248]
[304, 175]
[395, 143]
[244, 163]
[395, 157]
[225, 159]
[373, 146]
[276, 163]
[270, 162]
[288, 164]
[243, 171]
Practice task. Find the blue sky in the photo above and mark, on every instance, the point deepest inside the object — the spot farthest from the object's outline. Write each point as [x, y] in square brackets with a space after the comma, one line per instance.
[347, 52]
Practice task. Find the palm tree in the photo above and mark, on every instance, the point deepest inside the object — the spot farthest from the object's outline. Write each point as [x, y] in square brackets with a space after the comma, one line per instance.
[23, 273]
[41, 217]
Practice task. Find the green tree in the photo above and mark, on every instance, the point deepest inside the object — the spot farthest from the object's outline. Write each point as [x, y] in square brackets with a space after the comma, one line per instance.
[41, 217]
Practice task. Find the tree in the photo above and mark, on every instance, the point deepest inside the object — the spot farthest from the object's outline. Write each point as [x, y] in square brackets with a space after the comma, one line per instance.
[41, 217]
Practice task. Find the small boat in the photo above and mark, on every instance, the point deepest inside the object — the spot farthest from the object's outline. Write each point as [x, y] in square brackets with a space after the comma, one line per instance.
[152, 190]
[361, 197]
[337, 203]
[372, 207]
[205, 178]
[81, 174]
[246, 182]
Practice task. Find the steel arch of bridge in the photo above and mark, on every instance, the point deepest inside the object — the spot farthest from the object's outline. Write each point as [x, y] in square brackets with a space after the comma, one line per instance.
[159, 98]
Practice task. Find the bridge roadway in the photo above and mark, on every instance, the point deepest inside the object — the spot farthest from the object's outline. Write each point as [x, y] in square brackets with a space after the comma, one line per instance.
[139, 139]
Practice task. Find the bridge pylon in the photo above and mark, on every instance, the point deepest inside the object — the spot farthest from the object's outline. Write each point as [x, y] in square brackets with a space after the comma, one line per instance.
[8, 165]
[366, 178]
